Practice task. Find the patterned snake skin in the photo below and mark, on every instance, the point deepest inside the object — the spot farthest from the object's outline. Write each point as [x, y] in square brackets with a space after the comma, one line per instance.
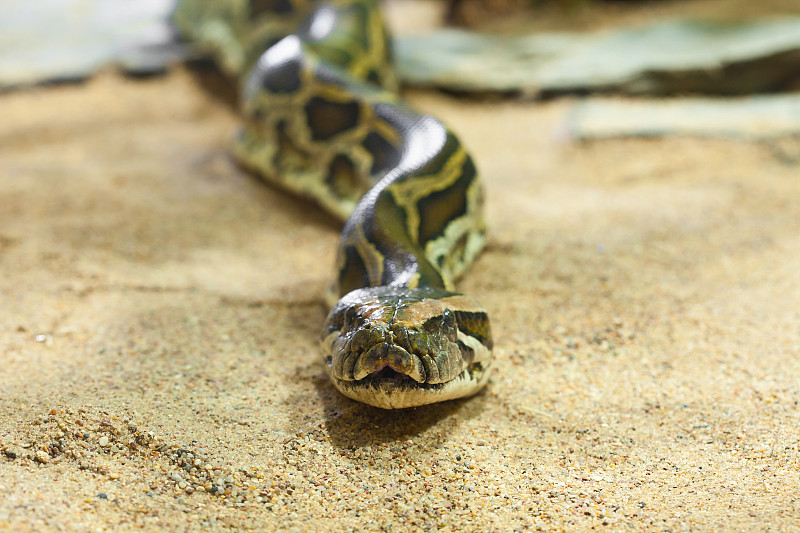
[322, 118]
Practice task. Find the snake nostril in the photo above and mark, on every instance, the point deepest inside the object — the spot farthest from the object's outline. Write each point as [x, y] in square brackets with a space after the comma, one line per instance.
[448, 319]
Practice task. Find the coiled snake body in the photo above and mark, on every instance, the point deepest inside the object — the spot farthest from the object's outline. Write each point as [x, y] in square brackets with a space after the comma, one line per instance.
[322, 118]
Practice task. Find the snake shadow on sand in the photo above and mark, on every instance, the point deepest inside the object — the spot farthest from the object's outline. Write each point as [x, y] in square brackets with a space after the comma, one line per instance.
[352, 424]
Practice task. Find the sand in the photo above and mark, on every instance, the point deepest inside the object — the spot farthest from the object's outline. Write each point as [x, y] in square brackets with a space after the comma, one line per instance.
[160, 310]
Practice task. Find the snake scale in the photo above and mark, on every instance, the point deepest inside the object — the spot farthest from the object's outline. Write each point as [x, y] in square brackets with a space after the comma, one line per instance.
[322, 118]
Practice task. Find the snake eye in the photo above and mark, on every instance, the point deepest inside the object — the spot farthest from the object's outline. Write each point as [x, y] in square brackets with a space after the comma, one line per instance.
[449, 325]
[351, 319]
[448, 319]
[444, 324]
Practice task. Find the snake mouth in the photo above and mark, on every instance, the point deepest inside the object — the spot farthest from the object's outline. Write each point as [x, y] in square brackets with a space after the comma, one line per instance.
[390, 377]
[389, 389]
[389, 373]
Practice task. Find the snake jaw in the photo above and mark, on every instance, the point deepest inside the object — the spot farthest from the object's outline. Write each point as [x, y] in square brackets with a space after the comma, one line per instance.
[388, 392]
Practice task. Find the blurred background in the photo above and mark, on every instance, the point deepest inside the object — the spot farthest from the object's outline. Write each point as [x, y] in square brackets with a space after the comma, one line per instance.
[529, 49]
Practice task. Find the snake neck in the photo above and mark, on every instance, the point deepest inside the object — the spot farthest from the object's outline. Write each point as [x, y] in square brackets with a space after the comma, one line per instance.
[422, 224]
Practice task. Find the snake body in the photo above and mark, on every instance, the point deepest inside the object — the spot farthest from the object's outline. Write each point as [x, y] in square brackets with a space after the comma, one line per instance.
[322, 118]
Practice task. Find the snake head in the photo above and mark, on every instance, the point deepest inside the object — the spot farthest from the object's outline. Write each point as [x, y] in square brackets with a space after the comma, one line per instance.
[396, 347]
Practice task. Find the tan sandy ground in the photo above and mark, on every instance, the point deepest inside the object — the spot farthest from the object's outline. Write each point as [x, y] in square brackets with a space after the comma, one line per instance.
[160, 311]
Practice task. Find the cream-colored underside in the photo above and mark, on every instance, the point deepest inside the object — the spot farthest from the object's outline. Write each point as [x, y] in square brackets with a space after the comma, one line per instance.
[387, 395]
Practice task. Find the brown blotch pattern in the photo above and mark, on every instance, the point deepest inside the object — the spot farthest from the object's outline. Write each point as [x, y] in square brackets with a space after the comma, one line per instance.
[327, 119]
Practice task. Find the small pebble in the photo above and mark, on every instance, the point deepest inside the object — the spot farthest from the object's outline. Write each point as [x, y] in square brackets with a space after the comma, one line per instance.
[42, 457]
[10, 452]
[103, 441]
